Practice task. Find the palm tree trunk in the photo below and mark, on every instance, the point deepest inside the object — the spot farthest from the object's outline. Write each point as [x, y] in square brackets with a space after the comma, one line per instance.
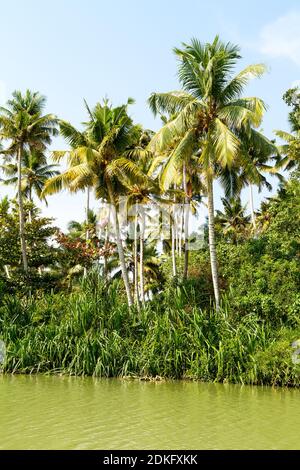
[142, 235]
[30, 200]
[212, 243]
[252, 206]
[87, 209]
[175, 234]
[119, 243]
[87, 233]
[21, 211]
[105, 268]
[174, 238]
[6, 268]
[186, 225]
[175, 224]
[173, 248]
[181, 222]
[135, 255]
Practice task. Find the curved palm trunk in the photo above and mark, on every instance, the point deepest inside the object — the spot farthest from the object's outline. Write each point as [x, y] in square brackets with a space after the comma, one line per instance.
[21, 212]
[186, 225]
[212, 243]
[252, 206]
[119, 243]
[142, 235]
[135, 254]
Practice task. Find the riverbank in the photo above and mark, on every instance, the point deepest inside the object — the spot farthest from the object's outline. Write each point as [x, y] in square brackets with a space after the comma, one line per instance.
[92, 332]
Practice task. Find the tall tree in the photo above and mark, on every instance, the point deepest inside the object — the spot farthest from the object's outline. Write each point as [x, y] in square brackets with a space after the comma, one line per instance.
[258, 157]
[292, 99]
[35, 172]
[26, 128]
[210, 110]
[100, 162]
[290, 150]
[140, 191]
[76, 139]
[233, 220]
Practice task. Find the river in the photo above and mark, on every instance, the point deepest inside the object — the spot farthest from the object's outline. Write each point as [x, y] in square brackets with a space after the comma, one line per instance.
[50, 412]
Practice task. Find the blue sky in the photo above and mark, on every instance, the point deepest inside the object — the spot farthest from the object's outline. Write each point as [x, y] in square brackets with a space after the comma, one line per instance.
[75, 49]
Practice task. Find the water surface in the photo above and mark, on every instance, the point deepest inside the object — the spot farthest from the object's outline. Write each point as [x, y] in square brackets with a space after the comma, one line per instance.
[44, 412]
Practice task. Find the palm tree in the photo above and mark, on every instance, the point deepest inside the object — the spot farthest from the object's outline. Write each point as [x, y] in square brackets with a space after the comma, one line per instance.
[79, 229]
[140, 191]
[151, 263]
[290, 150]
[100, 162]
[178, 169]
[76, 139]
[35, 172]
[256, 154]
[23, 124]
[264, 216]
[233, 220]
[210, 110]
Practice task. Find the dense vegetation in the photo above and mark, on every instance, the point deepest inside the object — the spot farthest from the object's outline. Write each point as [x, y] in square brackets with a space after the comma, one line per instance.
[141, 297]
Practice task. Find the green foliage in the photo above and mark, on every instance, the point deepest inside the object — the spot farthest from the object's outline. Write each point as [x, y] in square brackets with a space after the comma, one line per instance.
[209, 132]
[93, 332]
[41, 254]
[233, 223]
[260, 275]
[292, 99]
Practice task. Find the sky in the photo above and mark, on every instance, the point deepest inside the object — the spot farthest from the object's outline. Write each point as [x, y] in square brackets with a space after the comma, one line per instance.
[73, 49]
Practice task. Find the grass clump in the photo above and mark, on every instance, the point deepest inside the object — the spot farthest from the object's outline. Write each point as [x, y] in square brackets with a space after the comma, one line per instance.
[92, 332]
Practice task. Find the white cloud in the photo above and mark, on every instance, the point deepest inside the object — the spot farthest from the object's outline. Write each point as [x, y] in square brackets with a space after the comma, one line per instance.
[282, 37]
[2, 92]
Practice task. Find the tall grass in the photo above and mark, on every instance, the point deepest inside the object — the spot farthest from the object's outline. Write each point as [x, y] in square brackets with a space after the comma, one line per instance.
[92, 332]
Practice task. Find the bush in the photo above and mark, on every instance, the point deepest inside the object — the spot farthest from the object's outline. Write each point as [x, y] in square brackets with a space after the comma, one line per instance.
[92, 332]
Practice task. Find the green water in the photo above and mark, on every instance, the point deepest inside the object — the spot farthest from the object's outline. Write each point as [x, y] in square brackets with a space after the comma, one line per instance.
[42, 412]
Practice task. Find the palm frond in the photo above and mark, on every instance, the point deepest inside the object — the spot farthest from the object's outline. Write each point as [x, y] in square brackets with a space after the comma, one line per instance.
[235, 87]
[171, 102]
[226, 144]
[182, 152]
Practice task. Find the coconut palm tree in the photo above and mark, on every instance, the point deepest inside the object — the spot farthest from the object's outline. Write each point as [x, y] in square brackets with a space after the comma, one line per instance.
[35, 172]
[233, 220]
[76, 139]
[79, 229]
[151, 264]
[100, 162]
[290, 150]
[180, 172]
[24, 126]
[210, 110]
[140, 192]
[258, 157]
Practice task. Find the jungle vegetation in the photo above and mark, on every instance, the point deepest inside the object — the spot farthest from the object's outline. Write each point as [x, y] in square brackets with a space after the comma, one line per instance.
[110, 297]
